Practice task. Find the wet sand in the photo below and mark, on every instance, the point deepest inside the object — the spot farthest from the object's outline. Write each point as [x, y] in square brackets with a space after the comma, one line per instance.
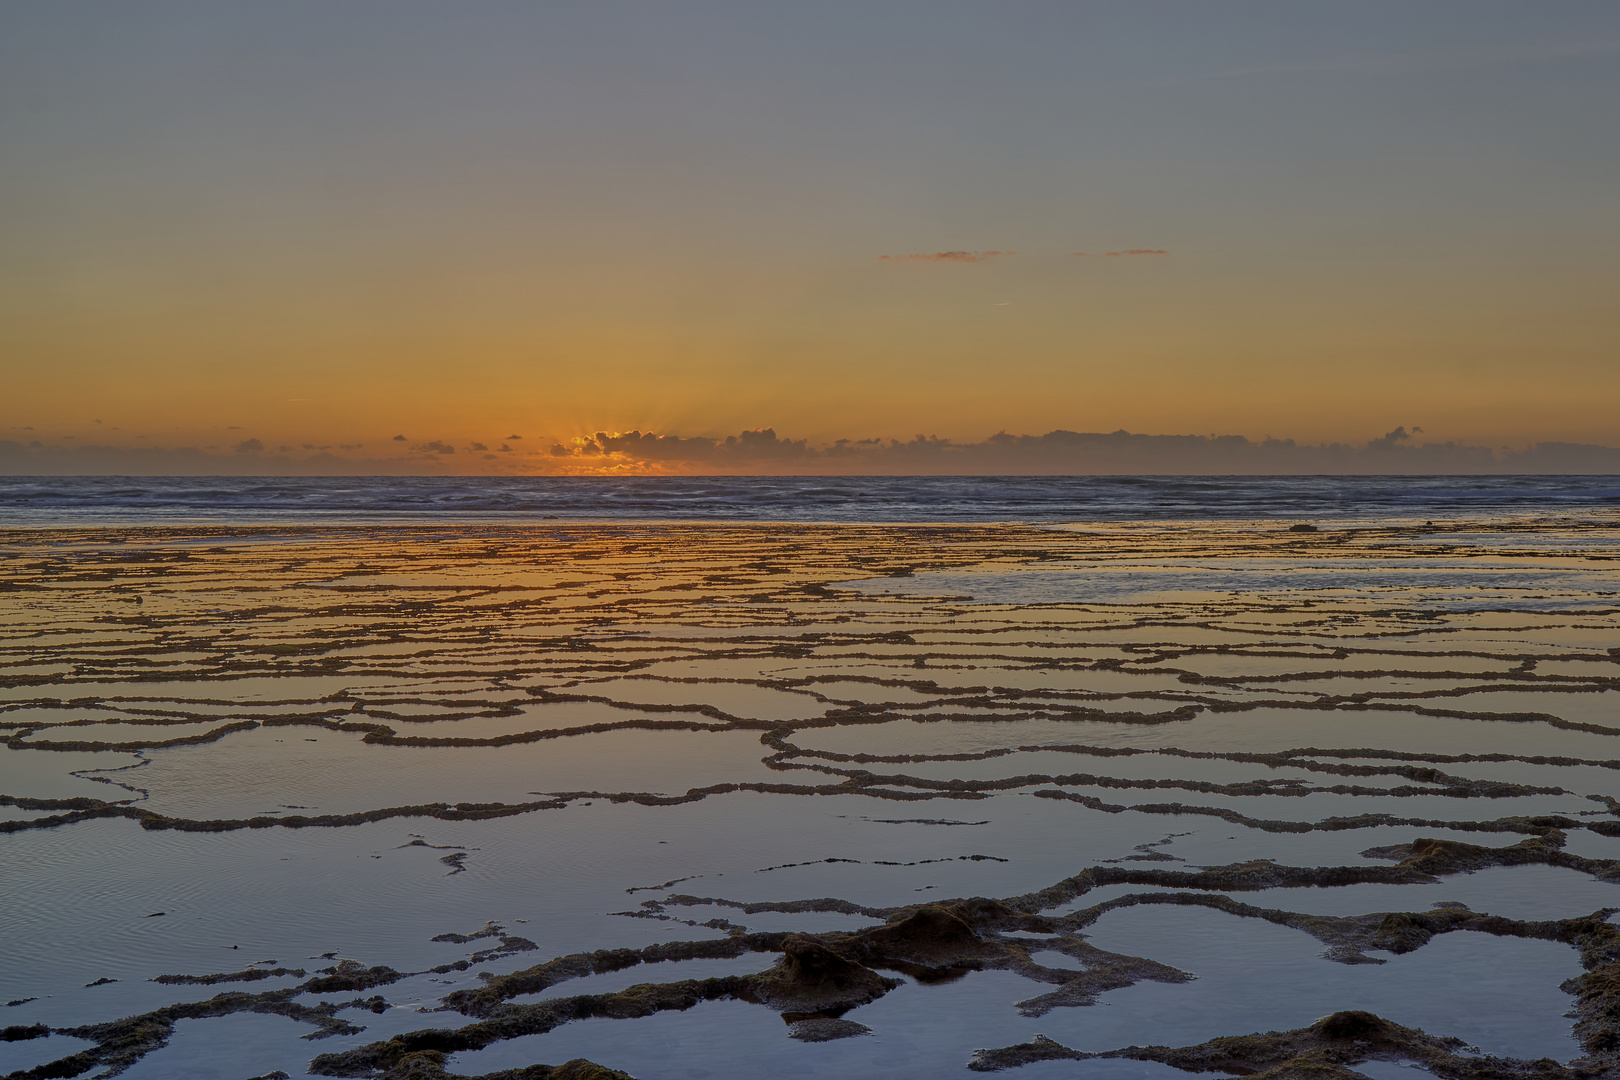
[1120, 800]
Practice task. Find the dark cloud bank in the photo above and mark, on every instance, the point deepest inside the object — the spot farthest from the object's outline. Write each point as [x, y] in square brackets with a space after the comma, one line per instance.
[1081, 453]
[763, 451]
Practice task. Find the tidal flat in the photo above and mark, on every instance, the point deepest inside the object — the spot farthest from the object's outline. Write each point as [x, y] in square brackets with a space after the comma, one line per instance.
[670, 801]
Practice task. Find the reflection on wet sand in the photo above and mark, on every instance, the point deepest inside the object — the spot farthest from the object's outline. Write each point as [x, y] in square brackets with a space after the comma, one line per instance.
[944, 799]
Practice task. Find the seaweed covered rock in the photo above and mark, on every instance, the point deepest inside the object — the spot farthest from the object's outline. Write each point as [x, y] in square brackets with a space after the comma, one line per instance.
[1401, 933]
[580, 1069]
[826, 1029]
[429, 1065]
[811, 977]
[929, 933]
[351, 975]
[1328, 1049]
[934, 936]
[1355, 1025]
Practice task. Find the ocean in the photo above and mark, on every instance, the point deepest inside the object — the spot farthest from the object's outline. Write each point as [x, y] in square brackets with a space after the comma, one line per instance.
[111, 500]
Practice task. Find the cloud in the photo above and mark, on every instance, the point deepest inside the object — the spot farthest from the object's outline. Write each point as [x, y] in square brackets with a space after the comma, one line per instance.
[648, 446]
[1120, 254]
[948, 256]
[1390, 439]
[762, 444]
[400, 438]
[1069, 453]
[249, 446]
[762, 451]
[746, 448]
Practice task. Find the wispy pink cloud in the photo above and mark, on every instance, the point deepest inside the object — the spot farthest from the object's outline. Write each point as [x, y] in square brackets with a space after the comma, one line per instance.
[948, 256]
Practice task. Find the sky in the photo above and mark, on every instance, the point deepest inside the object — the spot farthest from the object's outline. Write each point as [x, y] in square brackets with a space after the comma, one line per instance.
[409, 235]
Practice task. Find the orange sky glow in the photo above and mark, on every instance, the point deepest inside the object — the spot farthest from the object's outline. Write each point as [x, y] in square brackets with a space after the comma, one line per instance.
[381, 238]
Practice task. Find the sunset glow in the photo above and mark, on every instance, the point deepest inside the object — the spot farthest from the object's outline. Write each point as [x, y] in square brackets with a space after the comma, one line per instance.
[314, 228]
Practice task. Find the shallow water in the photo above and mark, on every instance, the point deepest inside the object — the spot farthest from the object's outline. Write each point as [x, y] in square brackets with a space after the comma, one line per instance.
[1500, 995]
[310, 746]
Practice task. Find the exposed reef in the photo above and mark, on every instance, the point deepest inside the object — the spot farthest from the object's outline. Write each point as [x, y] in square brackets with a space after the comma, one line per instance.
[824, 974]
[310, 685]
[1327, 1049]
